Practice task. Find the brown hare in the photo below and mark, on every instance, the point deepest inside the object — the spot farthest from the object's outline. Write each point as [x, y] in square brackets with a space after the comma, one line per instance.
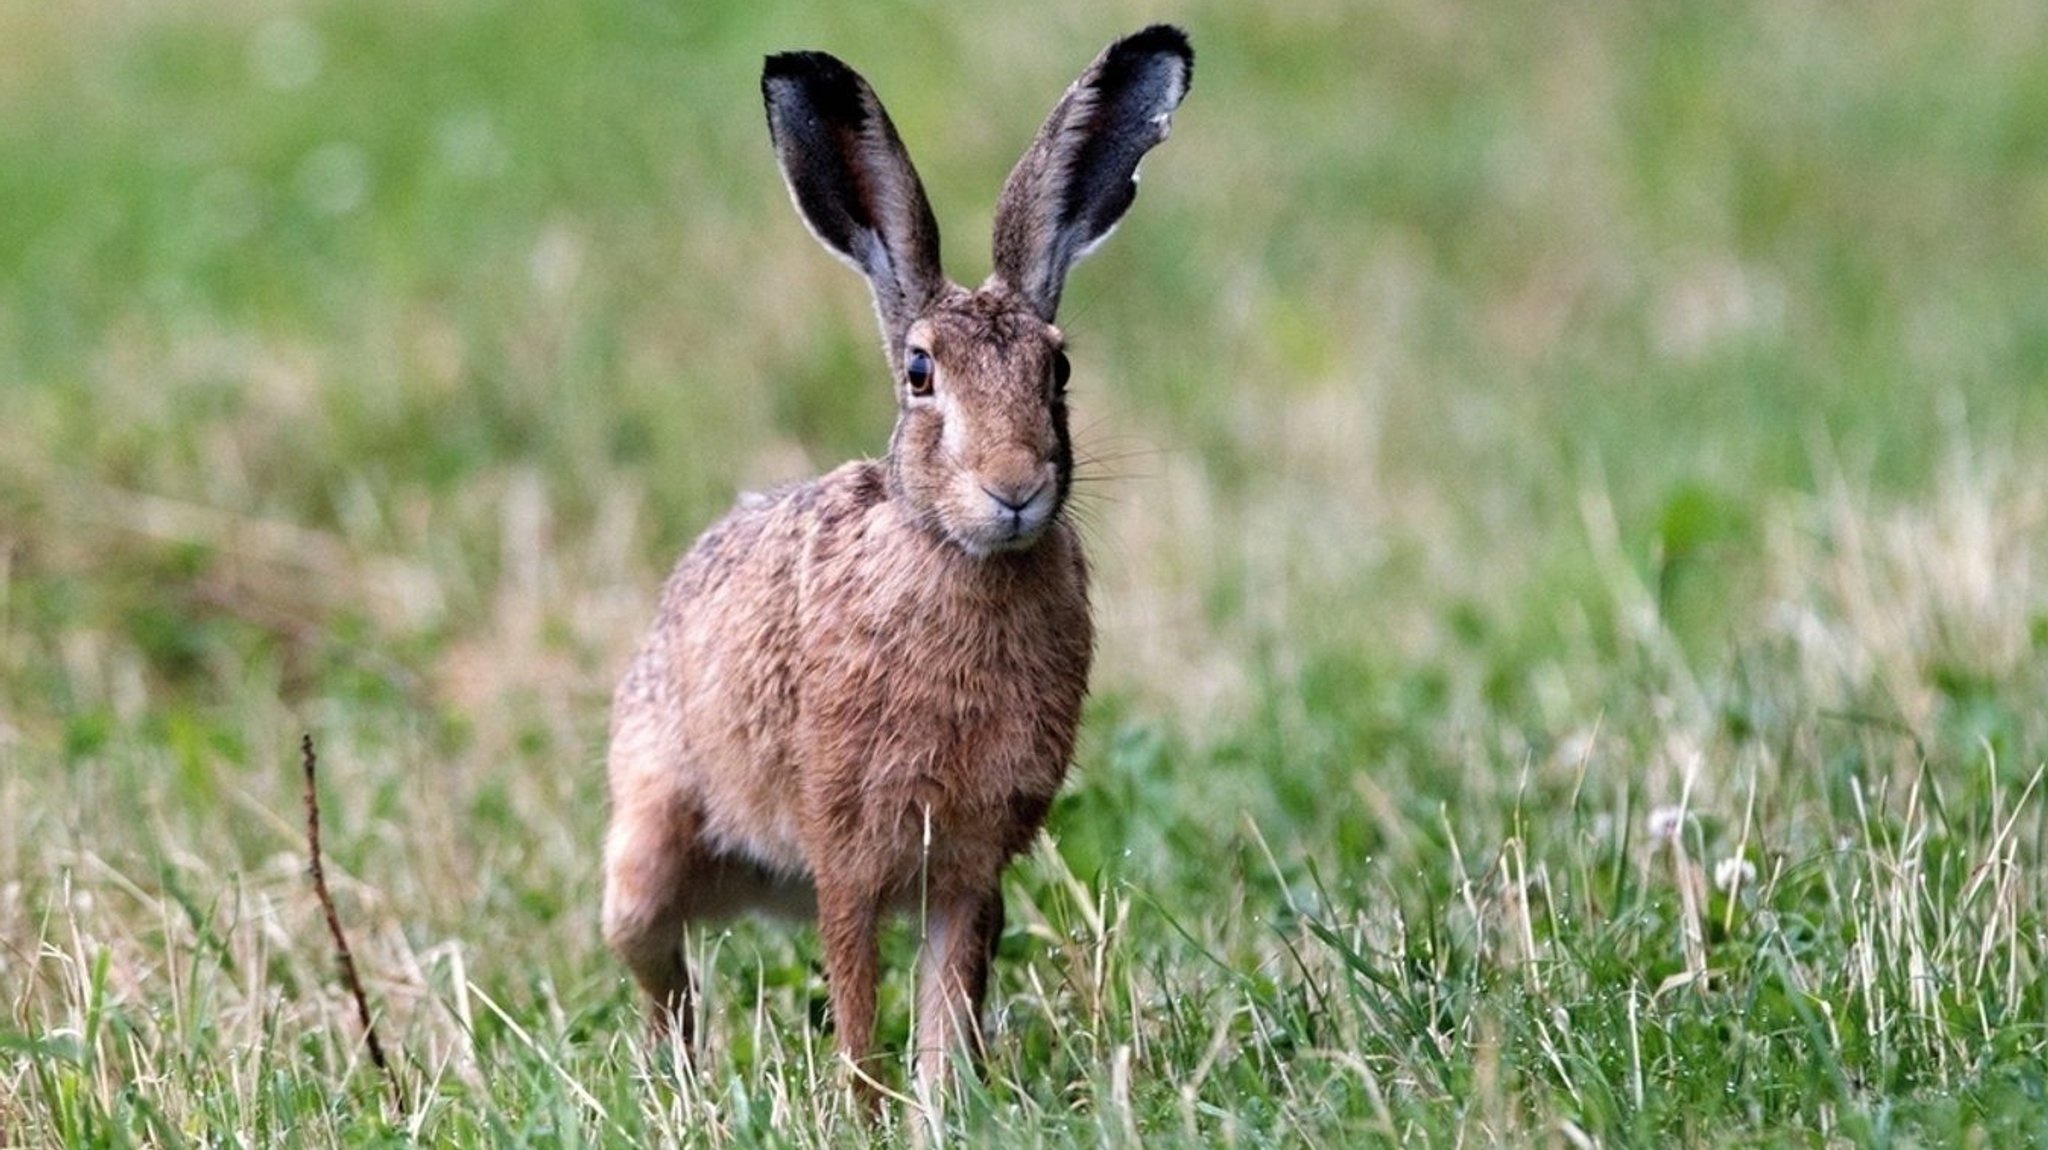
[860, 693]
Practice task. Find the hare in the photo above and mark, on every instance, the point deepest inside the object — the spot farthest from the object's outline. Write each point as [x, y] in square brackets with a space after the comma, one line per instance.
[860, 693]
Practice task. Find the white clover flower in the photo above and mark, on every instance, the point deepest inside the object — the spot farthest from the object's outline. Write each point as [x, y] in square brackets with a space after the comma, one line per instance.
[1664, 822]
[1734, 871]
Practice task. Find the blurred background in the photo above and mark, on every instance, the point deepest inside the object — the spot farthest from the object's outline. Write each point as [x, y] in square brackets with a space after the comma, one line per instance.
[1476, 394]
[375, 352]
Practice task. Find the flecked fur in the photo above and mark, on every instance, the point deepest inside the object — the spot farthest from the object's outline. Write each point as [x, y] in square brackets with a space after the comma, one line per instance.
[862, 691]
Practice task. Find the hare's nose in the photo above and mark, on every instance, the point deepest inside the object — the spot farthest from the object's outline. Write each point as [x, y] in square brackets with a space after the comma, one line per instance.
[1015, 497]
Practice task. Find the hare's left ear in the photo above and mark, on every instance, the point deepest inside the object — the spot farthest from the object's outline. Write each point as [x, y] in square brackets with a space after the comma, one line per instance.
[1081, 173]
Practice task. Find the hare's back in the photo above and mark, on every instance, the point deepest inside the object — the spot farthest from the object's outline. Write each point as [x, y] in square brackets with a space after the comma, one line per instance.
[705, 711]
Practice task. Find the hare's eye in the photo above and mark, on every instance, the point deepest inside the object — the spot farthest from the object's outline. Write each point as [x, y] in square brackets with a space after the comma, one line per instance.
[1061, 370]
[918, 370]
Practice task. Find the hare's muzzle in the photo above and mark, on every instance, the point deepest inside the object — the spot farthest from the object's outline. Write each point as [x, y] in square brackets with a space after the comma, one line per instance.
[1025, 511]
[1016, 504]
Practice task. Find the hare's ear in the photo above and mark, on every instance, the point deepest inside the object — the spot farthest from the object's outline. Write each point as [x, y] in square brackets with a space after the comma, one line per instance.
[853, 183]
[1079, 175]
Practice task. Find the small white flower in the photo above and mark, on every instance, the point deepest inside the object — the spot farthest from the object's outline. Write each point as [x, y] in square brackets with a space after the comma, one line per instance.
[1733, 872]
[1664, 822]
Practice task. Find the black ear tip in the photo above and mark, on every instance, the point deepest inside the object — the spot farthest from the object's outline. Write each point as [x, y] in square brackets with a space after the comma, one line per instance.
[822, 79]
[1149, 52]
[802, 66]
[1158, 40]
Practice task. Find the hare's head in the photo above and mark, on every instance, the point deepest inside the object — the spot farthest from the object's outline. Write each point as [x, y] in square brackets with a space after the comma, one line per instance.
[980, 451]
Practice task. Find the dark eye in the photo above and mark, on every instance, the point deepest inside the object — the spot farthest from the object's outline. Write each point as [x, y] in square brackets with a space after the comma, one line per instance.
[1061, 369]
[918, 370]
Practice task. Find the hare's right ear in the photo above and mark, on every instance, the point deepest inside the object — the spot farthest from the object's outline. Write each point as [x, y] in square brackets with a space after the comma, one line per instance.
[1081, 173]
[853, 183]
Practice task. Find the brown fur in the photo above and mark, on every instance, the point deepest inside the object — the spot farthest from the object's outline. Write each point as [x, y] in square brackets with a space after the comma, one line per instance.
[862, 691]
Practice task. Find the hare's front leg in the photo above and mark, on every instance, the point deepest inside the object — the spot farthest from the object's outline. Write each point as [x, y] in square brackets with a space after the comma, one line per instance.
[960, 939]
[848, 914]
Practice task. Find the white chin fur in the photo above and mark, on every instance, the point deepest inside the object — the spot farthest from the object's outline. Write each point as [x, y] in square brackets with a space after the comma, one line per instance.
[982, 540]
[980, 530]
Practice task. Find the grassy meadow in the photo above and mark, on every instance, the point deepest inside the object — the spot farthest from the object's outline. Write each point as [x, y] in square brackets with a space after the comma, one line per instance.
[1565, 486]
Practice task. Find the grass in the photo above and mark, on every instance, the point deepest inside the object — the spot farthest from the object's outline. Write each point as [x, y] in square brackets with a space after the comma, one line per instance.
[1571, 568]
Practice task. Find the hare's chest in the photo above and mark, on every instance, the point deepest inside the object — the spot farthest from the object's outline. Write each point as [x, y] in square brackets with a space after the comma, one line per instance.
[939, 719]
[949, 695]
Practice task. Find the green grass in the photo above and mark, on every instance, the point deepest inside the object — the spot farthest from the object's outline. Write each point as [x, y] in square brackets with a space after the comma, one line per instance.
[1572, 568]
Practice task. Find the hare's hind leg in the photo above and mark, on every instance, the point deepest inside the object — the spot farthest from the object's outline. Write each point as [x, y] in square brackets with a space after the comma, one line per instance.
[651, 852]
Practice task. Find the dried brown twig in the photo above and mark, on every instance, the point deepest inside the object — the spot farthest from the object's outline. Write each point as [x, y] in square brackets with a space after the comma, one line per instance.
[341, 951]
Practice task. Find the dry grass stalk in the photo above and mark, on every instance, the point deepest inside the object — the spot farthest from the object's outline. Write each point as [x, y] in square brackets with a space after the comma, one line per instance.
[345, 958]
